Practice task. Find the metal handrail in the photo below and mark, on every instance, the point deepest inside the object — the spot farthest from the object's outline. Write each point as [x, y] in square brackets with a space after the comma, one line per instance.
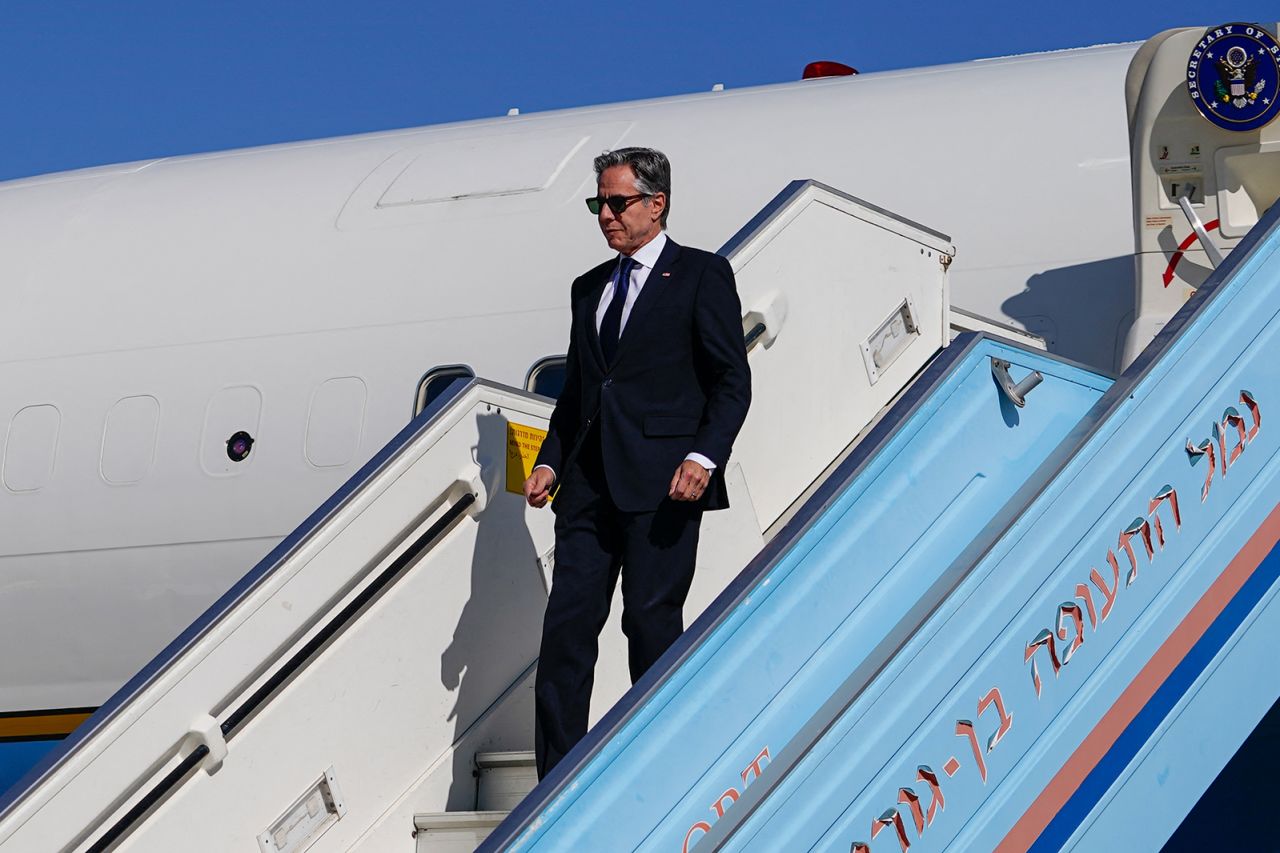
[1211, 251]
[252, 580]
[296, 662]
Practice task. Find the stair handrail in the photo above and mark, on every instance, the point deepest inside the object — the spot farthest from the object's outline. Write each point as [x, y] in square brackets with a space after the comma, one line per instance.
[463, 500]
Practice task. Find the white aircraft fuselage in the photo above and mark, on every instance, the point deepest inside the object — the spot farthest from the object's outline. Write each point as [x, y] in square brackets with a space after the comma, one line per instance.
[299, 293]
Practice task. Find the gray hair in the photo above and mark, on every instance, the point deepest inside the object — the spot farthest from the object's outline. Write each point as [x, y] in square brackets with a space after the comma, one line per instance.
[651, 167]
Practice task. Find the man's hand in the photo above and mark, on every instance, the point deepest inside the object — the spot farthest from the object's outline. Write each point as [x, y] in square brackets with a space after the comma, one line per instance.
[537, 489]
[689, 482]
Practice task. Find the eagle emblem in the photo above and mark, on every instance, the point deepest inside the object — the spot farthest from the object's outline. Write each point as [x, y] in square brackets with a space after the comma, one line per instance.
[1238, 82]
[1233, 76]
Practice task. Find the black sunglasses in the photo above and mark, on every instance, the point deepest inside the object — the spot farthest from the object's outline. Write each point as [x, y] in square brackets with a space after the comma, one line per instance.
[617, 203]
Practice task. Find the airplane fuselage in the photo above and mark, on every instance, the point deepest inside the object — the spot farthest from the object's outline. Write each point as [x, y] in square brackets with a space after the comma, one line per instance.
[299, 293]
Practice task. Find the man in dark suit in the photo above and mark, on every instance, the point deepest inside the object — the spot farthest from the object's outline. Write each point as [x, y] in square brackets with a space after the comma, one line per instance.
[656, 388]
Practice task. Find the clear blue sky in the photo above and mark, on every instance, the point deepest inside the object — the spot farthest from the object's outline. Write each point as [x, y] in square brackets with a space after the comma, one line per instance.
[104, 81]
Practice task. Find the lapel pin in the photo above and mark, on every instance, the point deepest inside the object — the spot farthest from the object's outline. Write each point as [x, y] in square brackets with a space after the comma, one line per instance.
[666, 275]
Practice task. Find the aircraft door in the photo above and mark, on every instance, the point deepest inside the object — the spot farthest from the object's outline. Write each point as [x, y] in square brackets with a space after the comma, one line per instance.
[1202, 104]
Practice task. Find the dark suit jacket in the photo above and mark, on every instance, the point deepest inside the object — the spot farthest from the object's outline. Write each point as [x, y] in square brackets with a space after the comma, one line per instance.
[680, 381]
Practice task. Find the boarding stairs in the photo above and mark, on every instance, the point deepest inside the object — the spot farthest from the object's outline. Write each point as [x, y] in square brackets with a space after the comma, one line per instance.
[503, 779]
[992, 600]
[995, 621]
[1067, 666]
[776, 647]
[371, 679]
[1030, 602]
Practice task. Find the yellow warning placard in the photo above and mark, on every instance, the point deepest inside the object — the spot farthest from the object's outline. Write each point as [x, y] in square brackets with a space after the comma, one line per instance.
[523, 444]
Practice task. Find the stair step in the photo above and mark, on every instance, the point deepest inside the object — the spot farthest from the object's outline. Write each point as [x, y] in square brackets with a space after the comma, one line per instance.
[454, 832]
[505, 779]
[514, 758]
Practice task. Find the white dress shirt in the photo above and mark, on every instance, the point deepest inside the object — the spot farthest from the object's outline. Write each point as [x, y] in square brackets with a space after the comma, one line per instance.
[645, 257]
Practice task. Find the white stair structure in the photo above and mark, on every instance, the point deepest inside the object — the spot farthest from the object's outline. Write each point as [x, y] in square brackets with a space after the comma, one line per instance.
[502, 781]
[346, 692]
[454, 832]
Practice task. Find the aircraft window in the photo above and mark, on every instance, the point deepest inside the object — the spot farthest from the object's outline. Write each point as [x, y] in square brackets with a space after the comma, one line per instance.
[129, 439]
[336, 422]
[546, 377]
[32, 446]
[435, 381]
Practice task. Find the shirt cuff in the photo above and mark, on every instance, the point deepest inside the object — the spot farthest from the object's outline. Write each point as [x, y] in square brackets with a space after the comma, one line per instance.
[548, 467]
[701, 460]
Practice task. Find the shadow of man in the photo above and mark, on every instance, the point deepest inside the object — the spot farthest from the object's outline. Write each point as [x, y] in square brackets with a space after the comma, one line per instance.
[495, 643]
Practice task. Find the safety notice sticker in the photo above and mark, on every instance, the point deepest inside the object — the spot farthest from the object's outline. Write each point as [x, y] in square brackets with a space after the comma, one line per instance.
[523, 444]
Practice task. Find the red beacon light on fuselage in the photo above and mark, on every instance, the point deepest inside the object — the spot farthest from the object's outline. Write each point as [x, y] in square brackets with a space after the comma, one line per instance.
[827, 68]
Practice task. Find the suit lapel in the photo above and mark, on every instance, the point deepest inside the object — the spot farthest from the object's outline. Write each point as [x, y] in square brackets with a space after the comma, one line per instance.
[589, 317]
[655, 285]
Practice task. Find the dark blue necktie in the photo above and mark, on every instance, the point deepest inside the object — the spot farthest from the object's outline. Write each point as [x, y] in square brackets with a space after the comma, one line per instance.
[611, 325]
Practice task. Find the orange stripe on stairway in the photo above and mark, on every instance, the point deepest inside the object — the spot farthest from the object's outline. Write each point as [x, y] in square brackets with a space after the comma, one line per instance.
[30, 725]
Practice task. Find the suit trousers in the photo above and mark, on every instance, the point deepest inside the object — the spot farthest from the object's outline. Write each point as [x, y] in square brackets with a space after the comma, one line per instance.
[595, 542]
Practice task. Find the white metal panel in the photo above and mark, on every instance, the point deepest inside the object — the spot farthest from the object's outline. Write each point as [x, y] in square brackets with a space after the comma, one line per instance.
[843, 269]
[1249, 183]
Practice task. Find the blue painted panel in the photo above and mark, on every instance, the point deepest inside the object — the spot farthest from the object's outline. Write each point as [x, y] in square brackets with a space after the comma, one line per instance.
[1186, 734]
[1049, 772]
[1114, 603]
[840, 591]
[17, 757]
[1242, 788]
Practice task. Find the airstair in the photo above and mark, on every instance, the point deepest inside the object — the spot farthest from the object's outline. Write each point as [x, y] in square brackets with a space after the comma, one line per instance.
[369, 684]
[992, 600]
[1025, 605]
[828, 605]
[997, 620]
[1067, 664]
